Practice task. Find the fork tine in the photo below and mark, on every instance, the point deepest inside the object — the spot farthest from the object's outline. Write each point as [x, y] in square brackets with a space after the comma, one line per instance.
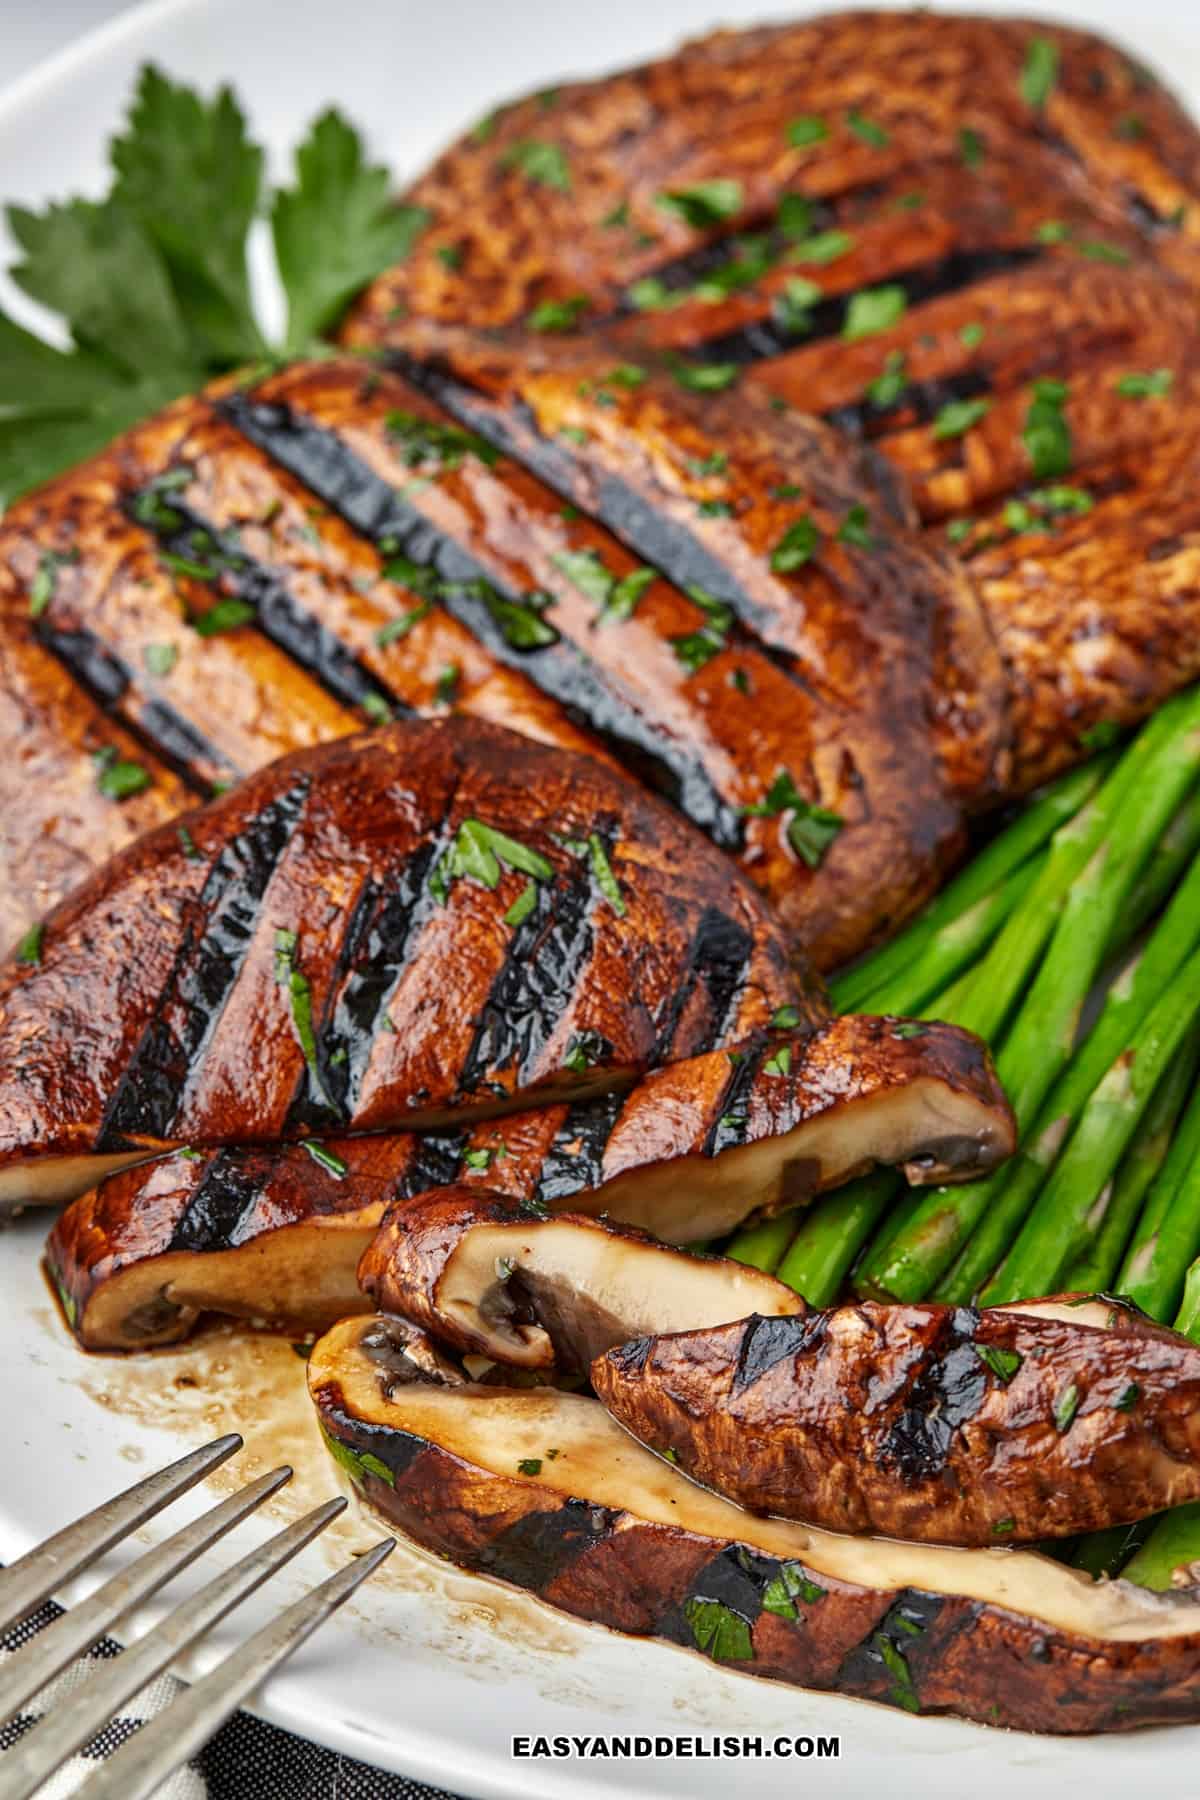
[34, 1576]
[36, 1755]
[70, 1635]
[149, 1756]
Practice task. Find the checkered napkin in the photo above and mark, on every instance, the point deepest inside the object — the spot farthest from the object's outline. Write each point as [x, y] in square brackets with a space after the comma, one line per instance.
[247, 1760]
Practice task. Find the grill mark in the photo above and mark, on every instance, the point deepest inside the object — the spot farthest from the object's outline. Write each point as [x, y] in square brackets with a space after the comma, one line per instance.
[733, 1580]
[539, 1547]
[206, 966]
[332, 471]
[763, 338]
[278, 615]
[332, 1052]
[948, 1391]
[918, 404]
[547, 954]
[385, 939]
[719, 955]
[658, 539]
[224, 1201]
[164, 732]
[436, 1162]
[766, 1342]
[730, 1128]
[574, 1163]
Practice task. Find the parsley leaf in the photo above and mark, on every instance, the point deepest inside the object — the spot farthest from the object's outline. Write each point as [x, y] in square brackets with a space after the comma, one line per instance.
[957, 417]
[810, 830]
[542, 164]
[336, 228]
[718, 1630]
[1003, 1363]
[1151, 385]
[1040, 72]
[704, 204]
[1047, 436]
[872, 310]
[190, 176]
[151, 282]
[805, 130]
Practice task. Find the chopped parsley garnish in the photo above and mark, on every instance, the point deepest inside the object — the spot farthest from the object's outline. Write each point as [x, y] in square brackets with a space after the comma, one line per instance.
[867, 130]
[446, 686]
[400, 627]
[714, 464]
[542, 164]
[523, 905]
[1152, 384]
[326, 1159]
[704, 204]
[810, 829]
[478, 851]
[434, 443]
[29, 950]
[625, 375]
[357, 1463]
[791, 309]
[1065, 1408]
[872, 310]
[970, 147]
[1047, 436]
[780, 1063]
[958, 529]
[585, 1049]
[823, 247]
[224, 615]
[1004, 1527]
[718, 1630]
[785, 1018]
[1128, 1398]
[559, 315]
[187, 843]
[695, 648]
[606, 881]
[290, 977]
[618, 216]
[805, 130]
[651, 294]
[616, 597]
[45, 580]
[481, 1159]
[783, 1590]
[1129, 128]
[958, 416]
[910, 1028]
[705, 378]
[1039, 73]
[377, 709]
[794, 217]
[160, 659]
[855, 528]
[797, 546]
[890, 384]
[449, 255]
[1003, 1363]
[117, 778]
[904, 1691]
[971, 335]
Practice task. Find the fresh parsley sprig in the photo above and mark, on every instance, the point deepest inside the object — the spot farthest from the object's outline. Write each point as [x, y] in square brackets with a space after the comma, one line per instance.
[151, 282]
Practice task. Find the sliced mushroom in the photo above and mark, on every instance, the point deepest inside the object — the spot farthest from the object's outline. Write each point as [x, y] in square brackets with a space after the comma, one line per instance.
[491, 1278]
[931, 1423]
[543, 1489]
[693, 1151]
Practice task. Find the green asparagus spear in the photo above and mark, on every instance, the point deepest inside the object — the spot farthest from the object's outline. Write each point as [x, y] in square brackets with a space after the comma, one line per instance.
[1173, 1544]
[1042, 816]
[1167, 1236]
[762, 1245]
[1129, 1000]
[1171, 856]
[831, 1234]
[957, 946]
[1111, 1220]
[1092, 863]
[1055, 1230]
[1187, 1319]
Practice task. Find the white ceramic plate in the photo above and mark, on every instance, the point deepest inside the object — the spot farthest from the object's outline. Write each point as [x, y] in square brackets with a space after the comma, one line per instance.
[431, 1672]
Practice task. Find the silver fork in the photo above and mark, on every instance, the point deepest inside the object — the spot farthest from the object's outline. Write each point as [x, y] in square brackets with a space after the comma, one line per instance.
[147, 1757]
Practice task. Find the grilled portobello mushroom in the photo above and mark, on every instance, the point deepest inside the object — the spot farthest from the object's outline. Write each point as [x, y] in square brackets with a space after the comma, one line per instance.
[541, 1488]
[277, 965]
[693, 1150]
[934, 1424]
